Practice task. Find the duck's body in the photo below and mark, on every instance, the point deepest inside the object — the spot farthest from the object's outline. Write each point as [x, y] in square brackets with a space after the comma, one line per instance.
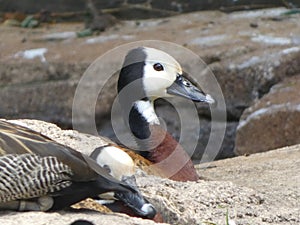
[170, 158]
[148, 74]
[38, 173]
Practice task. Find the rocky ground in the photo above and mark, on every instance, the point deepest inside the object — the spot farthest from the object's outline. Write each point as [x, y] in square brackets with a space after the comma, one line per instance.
[259, 189]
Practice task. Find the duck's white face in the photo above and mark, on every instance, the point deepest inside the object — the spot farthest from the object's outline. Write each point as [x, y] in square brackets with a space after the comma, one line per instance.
[163, 77]
[160, 72]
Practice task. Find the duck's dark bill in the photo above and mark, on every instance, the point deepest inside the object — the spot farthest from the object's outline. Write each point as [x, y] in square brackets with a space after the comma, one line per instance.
[135, 201]
[136, 204]
[184, 88]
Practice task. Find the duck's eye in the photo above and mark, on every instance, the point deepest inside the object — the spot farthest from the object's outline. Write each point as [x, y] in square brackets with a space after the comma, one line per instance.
[158, 67]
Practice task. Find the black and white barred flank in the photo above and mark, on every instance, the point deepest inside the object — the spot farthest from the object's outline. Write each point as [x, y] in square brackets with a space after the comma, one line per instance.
[27, 176]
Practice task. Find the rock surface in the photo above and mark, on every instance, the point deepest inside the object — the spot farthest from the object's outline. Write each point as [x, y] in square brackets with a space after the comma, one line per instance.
[259, 189]
[133, 9]
[248, 52]
[275, 174]
[273, 121]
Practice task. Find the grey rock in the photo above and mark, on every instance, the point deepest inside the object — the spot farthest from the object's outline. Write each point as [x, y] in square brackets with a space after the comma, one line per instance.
[155, 6]
[246, 79]
[273, 121]
[38, 91]
[44, 91]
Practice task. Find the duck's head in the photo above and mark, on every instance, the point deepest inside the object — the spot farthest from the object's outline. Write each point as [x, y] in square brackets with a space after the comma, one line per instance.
[121, 166]
[157, 75]
[148, 74]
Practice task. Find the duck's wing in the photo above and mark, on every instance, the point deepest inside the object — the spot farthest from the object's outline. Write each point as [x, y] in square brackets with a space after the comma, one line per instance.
[26, 176]
[16, 139]
[79, 177]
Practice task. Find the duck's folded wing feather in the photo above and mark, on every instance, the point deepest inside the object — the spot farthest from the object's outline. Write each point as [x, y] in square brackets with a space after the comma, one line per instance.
[27, 176]
[16, 139]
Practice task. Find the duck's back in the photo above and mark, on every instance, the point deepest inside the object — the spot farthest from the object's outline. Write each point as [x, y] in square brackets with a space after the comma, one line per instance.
[15, 139]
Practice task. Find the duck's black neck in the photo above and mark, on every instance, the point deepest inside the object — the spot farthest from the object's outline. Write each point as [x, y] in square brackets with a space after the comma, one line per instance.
[141, 117]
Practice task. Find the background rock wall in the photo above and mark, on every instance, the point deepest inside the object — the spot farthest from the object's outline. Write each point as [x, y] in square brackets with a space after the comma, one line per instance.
[134, 9]
[248, 52]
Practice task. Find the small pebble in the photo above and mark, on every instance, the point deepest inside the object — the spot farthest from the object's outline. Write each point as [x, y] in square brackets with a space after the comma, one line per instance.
[253, 25]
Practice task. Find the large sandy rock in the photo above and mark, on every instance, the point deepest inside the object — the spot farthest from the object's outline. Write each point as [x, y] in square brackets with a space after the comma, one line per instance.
[273, 121]
[231, 189]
